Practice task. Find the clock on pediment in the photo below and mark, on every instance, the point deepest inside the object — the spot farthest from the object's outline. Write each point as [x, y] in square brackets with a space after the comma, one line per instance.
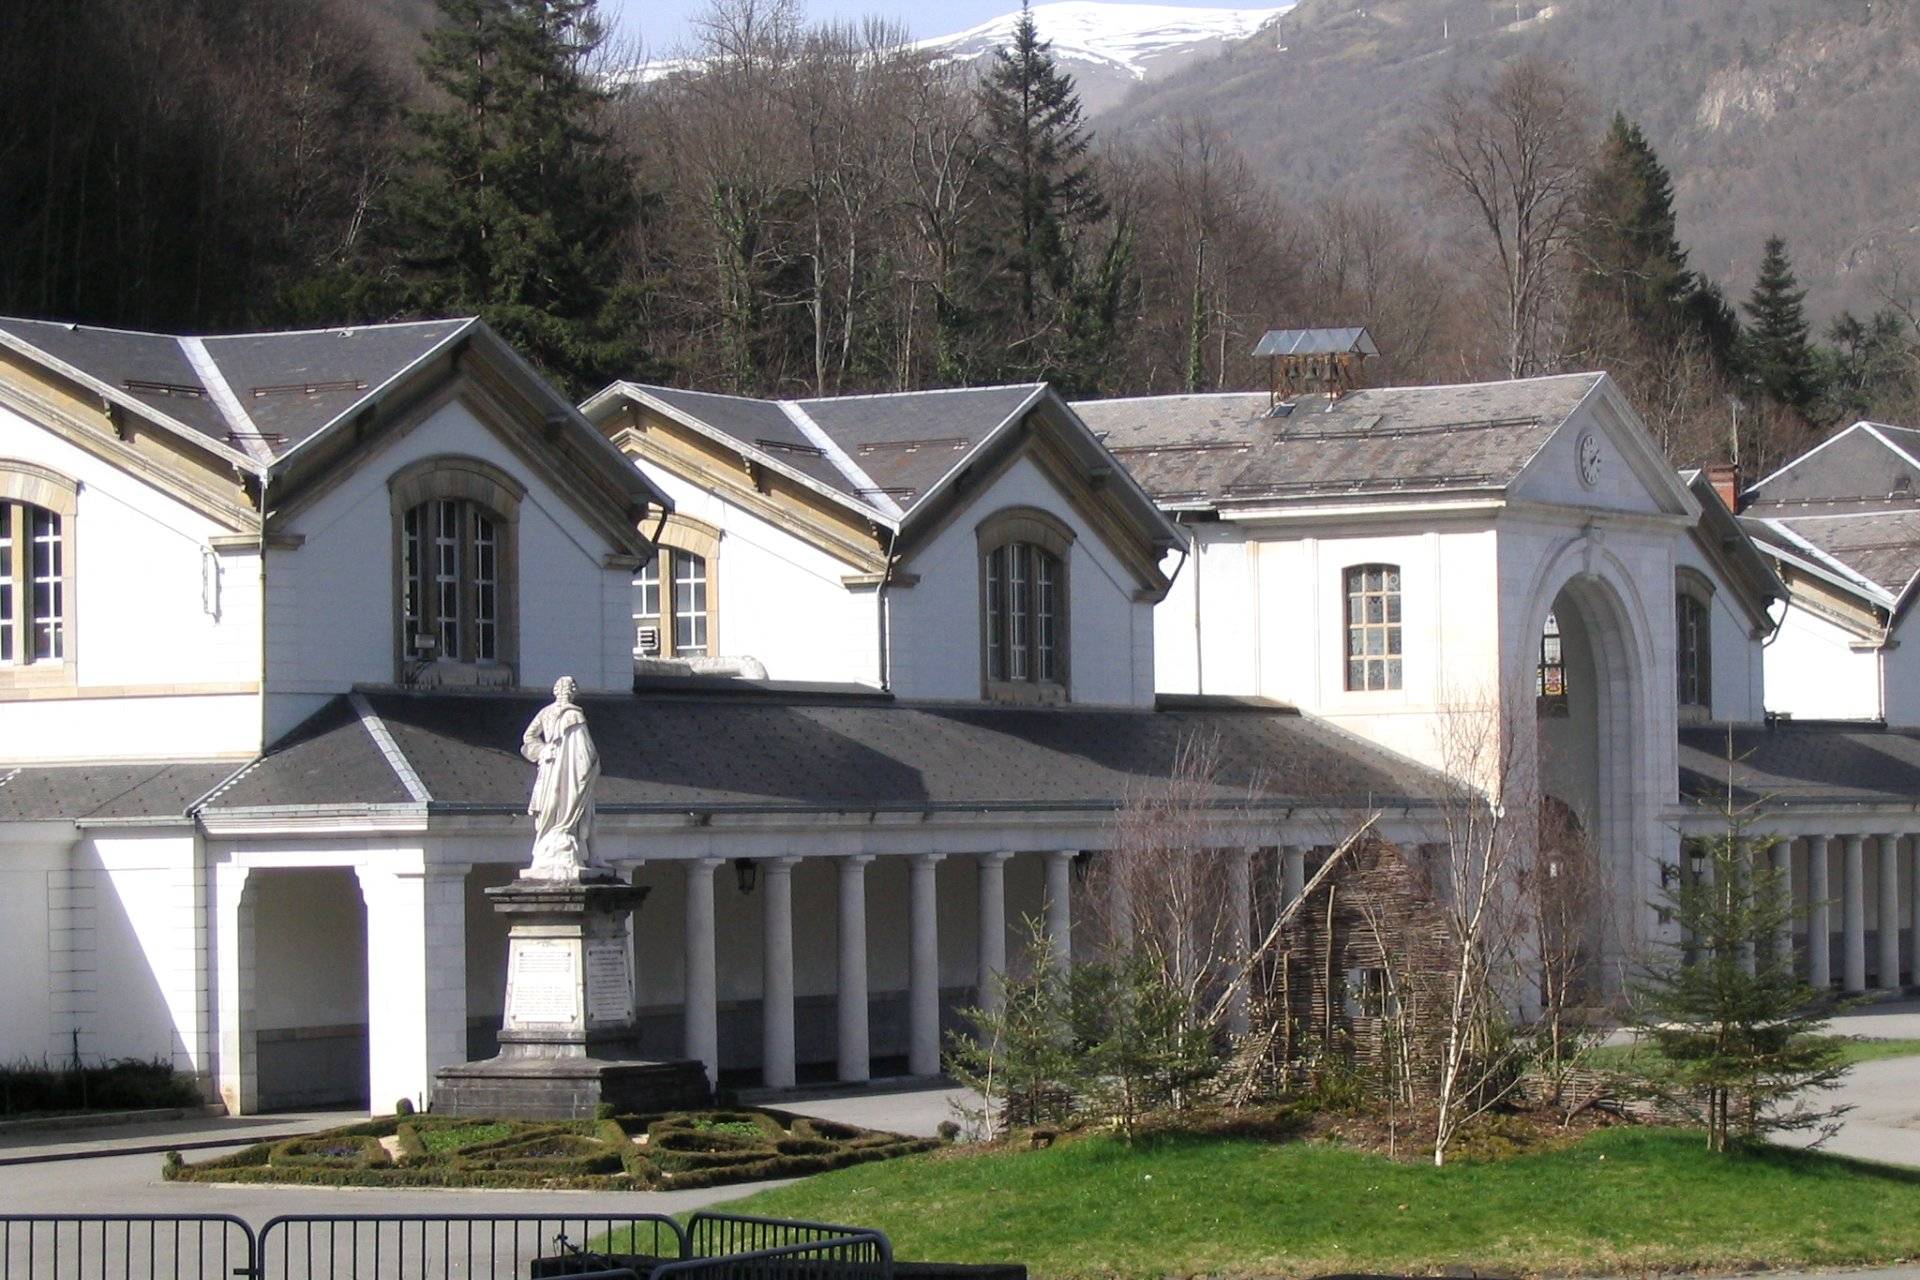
[1589, 459]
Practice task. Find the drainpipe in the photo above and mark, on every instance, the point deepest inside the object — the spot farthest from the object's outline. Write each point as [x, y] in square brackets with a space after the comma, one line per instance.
[263, 612]
[1199, 649]
[880, 608]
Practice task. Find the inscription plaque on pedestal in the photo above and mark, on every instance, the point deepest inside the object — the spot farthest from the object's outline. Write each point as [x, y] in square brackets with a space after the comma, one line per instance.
[543, 981]
[609, 982]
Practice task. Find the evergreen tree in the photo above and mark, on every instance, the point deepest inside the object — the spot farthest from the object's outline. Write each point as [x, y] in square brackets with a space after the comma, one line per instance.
[1041, 188]
[1776, 354]
[1739, 1036]
[1629, 244]
[518, 203]
[1868, 370]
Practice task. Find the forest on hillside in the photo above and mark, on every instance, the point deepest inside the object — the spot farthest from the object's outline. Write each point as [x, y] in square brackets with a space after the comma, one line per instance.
[822, 208]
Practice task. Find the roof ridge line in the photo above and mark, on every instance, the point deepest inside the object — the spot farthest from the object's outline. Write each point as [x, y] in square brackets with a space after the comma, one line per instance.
[842, 461]
[383, 739]
[245, 430]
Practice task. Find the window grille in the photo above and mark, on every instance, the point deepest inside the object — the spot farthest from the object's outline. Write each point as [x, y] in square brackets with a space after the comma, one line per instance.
[1373, 627]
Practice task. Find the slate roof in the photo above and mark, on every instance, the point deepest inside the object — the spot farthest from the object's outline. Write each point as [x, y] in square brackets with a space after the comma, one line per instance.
[287, 386]
[1221, 449]
[884, 452]
[706, 752]
[107, 792]
[1799, 763]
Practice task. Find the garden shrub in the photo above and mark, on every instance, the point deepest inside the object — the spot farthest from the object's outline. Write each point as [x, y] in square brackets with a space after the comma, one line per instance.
[129, 1084]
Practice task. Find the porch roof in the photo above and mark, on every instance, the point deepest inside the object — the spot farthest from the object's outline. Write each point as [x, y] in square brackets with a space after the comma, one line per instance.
[1789, 764]
[160, 791]
[709, 752]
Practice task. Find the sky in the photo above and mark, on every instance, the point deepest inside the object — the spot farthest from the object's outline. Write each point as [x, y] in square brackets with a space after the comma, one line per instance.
[663, 24]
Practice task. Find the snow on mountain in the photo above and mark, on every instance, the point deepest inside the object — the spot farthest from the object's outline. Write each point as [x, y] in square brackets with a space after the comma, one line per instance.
[1110, 46]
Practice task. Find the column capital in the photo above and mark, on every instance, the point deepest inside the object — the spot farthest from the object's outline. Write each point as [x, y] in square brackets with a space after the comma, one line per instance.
[848, 861]
[998, 856]
[778, 866]
[928, 859]
[704, 863]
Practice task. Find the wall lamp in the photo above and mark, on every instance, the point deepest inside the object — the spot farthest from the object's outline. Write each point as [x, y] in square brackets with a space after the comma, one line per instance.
[745, 873]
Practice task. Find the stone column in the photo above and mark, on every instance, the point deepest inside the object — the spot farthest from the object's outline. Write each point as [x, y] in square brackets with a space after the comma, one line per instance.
[1887, 918]
[1293, 874]
[237, 1067]
[1239, 933]
[923, 967]
[776, 982]
[855, 1057]
[702, 1005]
[1820, 911]
[1782, 853]
[993, 926]
[1913, 908]
[416, 978]
[1853, 913]
[1060, 907]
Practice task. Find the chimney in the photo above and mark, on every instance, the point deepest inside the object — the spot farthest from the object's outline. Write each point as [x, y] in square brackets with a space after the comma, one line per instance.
[1725, 479]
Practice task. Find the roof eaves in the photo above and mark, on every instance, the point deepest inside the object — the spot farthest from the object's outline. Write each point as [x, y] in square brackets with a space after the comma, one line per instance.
[641, 394]
[1848, 575]
[237, 457]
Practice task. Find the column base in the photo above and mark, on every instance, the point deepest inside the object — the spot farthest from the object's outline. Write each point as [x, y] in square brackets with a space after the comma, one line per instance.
[549, 1088]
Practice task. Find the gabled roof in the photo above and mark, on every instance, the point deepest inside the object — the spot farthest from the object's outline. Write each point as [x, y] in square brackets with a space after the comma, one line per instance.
[1316, 342]
[1226, 449]
[891, 457]
[1869, 466]
[822, 754]
[1729, 546]
[265, 401]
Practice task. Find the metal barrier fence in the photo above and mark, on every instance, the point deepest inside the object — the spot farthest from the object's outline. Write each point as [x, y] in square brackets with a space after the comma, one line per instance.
[714, 1234]
[577, 1246]
[862, 1256]
[125, 1247]
[459, 1246]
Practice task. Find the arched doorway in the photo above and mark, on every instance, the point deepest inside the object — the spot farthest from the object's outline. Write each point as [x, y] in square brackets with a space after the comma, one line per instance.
[1595, 755]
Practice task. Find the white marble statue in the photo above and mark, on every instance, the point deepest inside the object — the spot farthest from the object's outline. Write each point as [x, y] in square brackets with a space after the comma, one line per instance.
[562, 804]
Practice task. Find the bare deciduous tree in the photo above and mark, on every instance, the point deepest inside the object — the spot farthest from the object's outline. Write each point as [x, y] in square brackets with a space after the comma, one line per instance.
[1513, 155]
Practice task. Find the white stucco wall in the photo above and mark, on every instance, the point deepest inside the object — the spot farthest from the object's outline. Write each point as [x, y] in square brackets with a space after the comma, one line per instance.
[781, 600]
[150, 944]
[154, 611]
[935, 626]
[1739, 658]
[33, 874]
[1813, 673]
[331, 600]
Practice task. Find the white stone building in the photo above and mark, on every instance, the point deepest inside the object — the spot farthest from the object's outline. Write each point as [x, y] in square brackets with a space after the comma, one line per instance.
[870, 676]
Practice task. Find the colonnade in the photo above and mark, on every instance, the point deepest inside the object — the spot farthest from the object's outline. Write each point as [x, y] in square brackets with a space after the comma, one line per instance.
[1835, 893]
[852, 1058]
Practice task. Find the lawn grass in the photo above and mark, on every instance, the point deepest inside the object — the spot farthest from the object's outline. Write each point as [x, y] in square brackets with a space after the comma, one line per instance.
[1621, 1057]
[1623, 1199]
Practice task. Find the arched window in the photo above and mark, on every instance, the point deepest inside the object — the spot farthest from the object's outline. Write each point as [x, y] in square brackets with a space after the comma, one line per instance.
[455, 523]
[1373, 627]
[1693, 642]
[1024, 554]
[1551, 683]
[37, 510]
[674, 592]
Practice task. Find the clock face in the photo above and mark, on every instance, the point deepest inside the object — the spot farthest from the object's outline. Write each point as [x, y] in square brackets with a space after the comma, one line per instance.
[1589, 459]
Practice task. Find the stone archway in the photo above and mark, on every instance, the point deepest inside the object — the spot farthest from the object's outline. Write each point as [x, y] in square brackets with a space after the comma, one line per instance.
[1599, 749]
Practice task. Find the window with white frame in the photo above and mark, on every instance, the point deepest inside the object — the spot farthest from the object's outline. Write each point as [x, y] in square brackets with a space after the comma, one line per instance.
[1693, 647]
[37, 513]
[1373, 627]
[673, 605]
[454, 533]
[1023, 588]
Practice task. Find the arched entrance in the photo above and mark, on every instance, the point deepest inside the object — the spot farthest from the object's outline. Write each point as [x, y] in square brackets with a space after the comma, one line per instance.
[1596, 757]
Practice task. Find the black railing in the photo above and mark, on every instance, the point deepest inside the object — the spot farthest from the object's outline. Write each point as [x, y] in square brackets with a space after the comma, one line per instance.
[863, 1256]
[92, 1246]
[550, 1246]
[459, 1246]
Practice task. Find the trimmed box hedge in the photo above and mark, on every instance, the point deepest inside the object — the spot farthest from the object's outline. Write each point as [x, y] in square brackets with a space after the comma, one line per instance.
[665, 1150]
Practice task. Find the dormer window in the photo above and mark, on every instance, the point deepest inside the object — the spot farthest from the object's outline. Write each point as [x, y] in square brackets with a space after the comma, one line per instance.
[37, 510]
[674, 592]
[455, 533]
[1024, 554]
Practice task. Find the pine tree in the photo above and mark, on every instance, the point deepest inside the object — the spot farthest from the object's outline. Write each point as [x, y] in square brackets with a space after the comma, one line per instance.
[1776, 353]
[518, 203]
[1041, 186]
[1739, 1036]
[1629, 247]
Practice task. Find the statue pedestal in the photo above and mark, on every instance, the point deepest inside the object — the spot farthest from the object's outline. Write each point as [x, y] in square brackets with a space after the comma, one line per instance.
[567, 1043]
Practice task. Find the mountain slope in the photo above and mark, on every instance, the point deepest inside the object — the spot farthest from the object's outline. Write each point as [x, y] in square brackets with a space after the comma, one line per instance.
[1788, 116]
[1110, 47]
